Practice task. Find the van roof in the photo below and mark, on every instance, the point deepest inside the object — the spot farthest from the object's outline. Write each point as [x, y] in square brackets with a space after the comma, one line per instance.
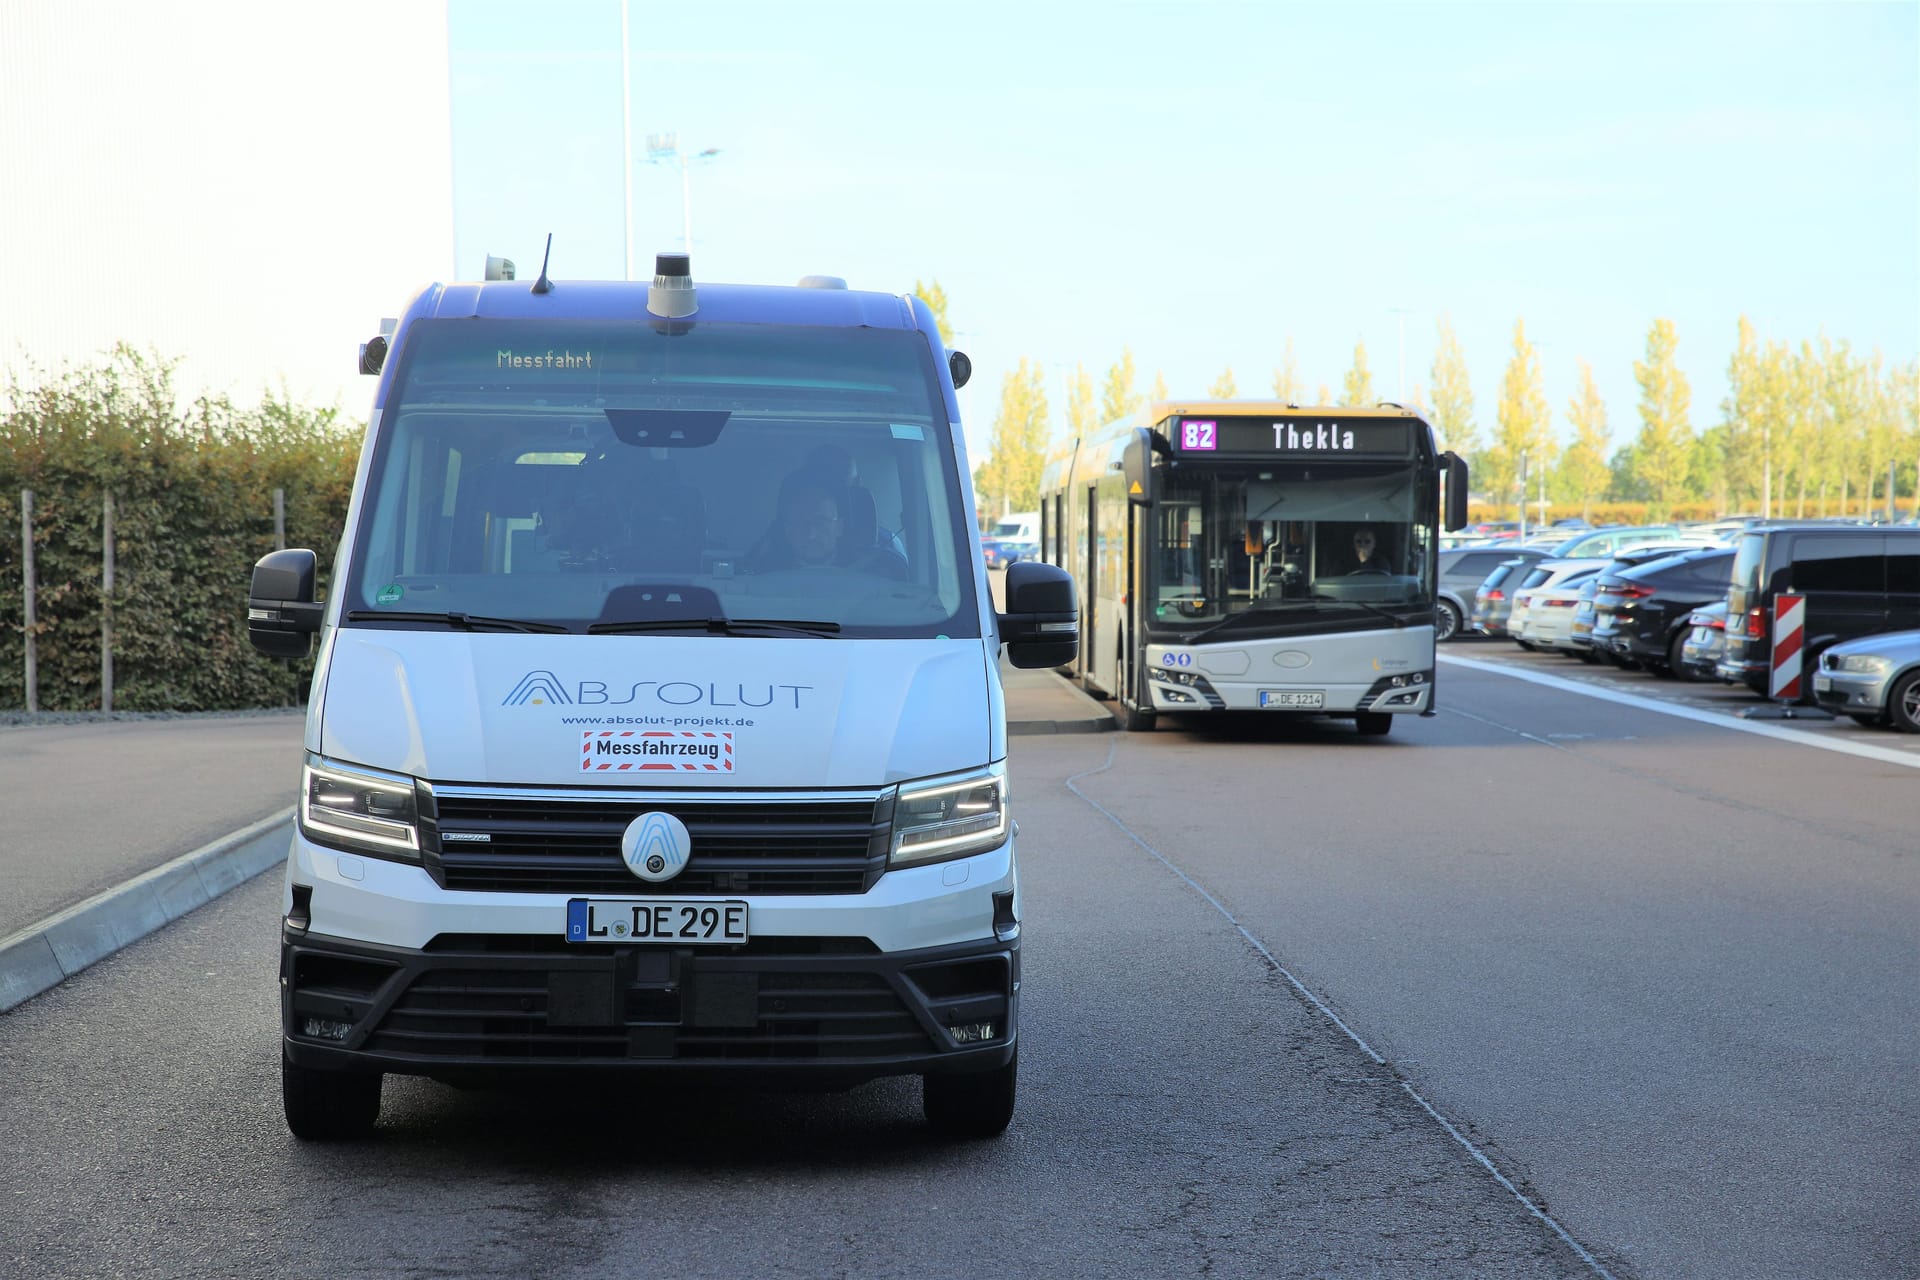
[627, 299]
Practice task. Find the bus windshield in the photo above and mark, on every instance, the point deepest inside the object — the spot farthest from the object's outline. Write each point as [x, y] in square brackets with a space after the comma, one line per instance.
[1288, 542]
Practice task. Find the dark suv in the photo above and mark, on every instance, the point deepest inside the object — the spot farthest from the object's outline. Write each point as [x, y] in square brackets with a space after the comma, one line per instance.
[1856, 581]
[1640, 611]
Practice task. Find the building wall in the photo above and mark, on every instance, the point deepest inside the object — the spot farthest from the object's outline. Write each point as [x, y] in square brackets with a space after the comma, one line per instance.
[245, 188]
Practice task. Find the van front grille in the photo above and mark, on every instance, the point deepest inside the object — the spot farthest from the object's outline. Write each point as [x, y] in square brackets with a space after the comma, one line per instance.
[570, 843]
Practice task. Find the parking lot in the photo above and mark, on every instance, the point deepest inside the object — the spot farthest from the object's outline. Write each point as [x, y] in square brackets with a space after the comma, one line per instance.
[1731, 702]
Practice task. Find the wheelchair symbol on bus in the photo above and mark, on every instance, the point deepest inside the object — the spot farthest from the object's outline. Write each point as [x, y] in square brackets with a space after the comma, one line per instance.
[1176, 659]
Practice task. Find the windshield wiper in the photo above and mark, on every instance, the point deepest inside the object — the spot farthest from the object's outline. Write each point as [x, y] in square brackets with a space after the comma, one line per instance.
[719, 627]
[1390, 616]
[1225, 622]
[458, 621]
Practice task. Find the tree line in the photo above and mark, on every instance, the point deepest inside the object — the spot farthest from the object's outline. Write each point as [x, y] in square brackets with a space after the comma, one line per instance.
[1806, 429]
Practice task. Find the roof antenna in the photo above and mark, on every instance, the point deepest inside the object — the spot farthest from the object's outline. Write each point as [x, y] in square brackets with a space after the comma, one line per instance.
[544, 285]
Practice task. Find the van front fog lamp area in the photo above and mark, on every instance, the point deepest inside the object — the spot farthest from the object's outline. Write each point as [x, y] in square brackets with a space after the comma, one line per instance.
[367, 812]
[950, 818]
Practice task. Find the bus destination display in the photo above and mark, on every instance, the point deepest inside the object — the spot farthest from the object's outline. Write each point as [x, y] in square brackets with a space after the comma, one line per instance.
[1315, 437]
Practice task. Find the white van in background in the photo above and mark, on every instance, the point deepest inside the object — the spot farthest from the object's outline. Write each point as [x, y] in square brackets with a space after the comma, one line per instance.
[656, 723]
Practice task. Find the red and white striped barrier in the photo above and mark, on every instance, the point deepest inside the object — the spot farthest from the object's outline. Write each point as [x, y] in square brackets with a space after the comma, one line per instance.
[1789, 630]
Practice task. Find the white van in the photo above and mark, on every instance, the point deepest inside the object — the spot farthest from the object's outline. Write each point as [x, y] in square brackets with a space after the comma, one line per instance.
[656, 722]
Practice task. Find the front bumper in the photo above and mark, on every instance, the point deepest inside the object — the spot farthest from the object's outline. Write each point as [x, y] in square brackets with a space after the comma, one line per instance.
[822, 1010]
[1850, 693]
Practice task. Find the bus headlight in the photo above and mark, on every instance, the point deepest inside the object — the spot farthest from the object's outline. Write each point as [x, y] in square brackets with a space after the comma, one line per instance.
[361, 810]
[949, 818]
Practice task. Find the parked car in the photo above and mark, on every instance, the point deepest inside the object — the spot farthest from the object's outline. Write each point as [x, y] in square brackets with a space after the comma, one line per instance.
[1493, 602]
[1640, 611]
[1618, 538]
[1856, 580]
[1548, 624]
[1580, 626]
[1462, 570]
[1543, 575]
[1875, 679]
[1706, 642]
[1001, 552]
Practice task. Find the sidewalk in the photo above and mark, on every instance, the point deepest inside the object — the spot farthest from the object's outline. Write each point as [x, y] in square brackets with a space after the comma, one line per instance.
[110, 830]
[1047, 702]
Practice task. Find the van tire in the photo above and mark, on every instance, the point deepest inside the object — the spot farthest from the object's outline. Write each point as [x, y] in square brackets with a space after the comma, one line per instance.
[328, 1106]
[972, 1106]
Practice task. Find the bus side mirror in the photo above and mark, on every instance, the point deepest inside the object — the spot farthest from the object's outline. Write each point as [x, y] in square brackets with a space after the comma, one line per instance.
[1455, 481]
[281, 612]
[1137, 467]
[1041, 627]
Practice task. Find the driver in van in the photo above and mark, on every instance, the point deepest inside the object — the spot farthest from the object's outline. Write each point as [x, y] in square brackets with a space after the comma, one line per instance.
[810, 531]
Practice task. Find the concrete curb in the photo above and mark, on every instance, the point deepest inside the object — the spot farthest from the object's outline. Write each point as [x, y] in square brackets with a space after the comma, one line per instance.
[45, 954]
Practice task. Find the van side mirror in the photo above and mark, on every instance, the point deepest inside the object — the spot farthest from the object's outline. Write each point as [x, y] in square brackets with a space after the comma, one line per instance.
[1041, 627]
[1455, 480]
[281, 612]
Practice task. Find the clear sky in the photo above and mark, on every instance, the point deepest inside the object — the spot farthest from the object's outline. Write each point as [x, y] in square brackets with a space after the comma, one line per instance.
[1203, 181]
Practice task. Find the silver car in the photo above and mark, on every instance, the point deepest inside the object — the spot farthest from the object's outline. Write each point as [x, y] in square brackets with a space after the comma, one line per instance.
[1875, 679]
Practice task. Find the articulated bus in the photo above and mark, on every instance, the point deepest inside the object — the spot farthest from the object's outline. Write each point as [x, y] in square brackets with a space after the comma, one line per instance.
[1244, 555]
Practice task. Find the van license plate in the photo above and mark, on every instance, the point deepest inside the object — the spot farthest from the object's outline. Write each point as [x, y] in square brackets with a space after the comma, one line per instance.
[674, 920]
[1294, 699]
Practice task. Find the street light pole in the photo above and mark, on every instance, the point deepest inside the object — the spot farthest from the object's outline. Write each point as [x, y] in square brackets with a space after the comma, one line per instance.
[1400, 315]
[626, 131]
[664, 148]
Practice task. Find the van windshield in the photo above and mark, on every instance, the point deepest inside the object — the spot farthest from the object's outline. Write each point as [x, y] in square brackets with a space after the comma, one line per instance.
[574, 473]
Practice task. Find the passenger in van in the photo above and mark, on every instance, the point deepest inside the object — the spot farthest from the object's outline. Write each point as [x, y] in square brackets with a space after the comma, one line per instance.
[1367, 555]
[813, 529]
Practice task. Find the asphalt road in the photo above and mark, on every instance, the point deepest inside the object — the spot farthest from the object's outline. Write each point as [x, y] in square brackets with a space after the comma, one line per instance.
[1285, 989]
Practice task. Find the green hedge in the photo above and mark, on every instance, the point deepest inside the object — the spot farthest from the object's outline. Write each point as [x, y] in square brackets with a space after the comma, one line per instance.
[193, 509]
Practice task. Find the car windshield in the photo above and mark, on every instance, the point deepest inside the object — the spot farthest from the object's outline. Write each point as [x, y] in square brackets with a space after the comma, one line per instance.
[592, 472]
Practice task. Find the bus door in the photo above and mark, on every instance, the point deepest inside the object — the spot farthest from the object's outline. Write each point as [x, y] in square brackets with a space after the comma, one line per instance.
[1089, 618]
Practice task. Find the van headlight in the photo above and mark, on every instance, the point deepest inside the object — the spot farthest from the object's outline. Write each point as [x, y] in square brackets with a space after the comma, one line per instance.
[359, 809]
[949, 818]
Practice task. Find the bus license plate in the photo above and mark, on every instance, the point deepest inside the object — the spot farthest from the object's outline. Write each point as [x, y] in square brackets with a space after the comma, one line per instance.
[674, 920]
[1294, 699]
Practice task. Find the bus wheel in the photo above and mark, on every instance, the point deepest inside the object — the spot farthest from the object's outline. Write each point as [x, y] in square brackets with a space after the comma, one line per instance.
[1373, 724]
[1136, 720]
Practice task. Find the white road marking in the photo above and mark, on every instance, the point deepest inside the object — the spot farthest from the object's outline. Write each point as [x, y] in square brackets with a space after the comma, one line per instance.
[1314, 1000]
[1865, 750]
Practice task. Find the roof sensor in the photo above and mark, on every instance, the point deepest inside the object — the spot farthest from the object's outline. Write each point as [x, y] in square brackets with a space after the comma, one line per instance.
[671, 295]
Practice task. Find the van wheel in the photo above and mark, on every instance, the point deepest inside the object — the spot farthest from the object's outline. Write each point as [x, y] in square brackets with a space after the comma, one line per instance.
[976, 1105]
[1373, 724]
[1446, 621]
[327, 1106]
[1903, 704]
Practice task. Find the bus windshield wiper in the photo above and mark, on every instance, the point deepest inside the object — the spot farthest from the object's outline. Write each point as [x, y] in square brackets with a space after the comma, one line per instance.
[1389, 615]
[458, 621]
[1225, 622]
[719, 626]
